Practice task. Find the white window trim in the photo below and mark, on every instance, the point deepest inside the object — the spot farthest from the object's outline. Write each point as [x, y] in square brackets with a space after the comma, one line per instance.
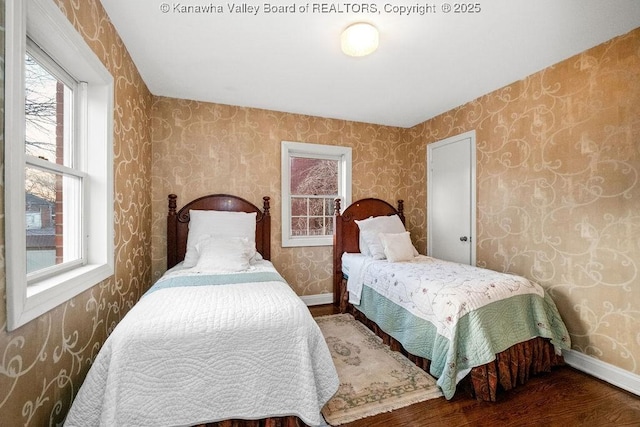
[289, 148]
[53, 32]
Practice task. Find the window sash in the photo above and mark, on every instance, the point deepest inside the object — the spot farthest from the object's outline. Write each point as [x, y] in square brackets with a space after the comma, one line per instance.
[326, 216]
[73, 245]
[74, 114]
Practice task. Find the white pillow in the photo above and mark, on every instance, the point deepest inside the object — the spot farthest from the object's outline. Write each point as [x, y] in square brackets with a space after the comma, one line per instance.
[364, 249]
[370, 228]
[203, 224]
[223, 255]
[397, 247]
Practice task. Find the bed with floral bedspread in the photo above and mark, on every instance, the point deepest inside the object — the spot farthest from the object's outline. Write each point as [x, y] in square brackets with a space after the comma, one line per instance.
[455, 321]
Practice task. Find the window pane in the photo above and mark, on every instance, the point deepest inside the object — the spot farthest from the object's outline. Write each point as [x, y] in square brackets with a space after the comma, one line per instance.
[52, 210]
[329, 203]
[316, 207]
[299, 206]
[48, 106]
[314, 176]
[298, 226]
[316, 226]
[329, 225]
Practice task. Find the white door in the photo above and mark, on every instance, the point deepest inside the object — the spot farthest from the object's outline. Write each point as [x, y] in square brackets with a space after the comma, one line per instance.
[451, 191]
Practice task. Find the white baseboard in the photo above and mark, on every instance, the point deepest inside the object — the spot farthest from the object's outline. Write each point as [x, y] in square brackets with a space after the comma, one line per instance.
[612, 374]
[319, 299]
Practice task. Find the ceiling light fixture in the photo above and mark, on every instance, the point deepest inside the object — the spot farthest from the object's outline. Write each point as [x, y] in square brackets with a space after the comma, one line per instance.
[359, 39]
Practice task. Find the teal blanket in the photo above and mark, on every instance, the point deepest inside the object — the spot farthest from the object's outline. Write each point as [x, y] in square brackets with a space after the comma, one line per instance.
[479, 335]
[214, 280]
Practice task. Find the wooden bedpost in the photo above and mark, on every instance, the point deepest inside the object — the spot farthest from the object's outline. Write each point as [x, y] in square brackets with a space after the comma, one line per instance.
[401, 210]
[337, 253]
[266, 228]
[172, 230]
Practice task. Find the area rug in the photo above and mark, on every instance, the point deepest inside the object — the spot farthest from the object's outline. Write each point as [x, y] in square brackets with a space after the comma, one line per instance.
[373, 378]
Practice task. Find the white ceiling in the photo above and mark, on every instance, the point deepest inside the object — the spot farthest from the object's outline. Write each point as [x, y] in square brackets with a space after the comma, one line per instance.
[291, 62]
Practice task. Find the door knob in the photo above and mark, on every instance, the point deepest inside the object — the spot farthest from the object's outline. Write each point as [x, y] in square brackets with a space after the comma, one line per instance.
[463, 239]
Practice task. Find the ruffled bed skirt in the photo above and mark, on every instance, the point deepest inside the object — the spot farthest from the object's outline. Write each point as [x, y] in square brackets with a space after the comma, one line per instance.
[511, 367]
[267, 422]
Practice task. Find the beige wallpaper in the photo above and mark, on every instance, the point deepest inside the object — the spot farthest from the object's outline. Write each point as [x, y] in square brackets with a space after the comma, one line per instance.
[201, 148]
[43, 363]
[558, 189]
[558, 172]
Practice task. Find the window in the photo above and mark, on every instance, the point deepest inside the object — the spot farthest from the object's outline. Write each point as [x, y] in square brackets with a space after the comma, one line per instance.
[313, 176]
[59, 199]
[53, 180]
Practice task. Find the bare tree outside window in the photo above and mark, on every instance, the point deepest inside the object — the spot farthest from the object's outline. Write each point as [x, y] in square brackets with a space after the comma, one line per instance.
[40, 110]
[46, 123]
[43, 125]
[314, 186]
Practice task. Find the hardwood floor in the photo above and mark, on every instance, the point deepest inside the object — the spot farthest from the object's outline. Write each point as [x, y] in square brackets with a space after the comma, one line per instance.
[565, 397]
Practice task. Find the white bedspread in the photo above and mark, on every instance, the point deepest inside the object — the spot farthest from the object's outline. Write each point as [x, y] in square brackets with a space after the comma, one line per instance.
[190, 355]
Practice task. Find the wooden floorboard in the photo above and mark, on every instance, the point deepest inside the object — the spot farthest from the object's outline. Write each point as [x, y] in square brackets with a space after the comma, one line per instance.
[565, 397]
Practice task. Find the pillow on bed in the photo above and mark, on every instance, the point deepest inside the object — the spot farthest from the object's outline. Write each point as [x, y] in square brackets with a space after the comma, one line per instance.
[203, 224]
[223, 255]
[397, 247]
[364, 249]
[370, 229]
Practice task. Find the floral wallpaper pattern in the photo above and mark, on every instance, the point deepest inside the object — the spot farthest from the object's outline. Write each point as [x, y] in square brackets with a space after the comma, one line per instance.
[558, 200]
[43, 363]
[558, 189]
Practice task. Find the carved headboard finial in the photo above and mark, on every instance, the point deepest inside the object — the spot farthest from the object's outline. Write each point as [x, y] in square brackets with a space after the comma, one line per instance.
[401, 211]
[172, 204]
[265, 205]
[336, 210]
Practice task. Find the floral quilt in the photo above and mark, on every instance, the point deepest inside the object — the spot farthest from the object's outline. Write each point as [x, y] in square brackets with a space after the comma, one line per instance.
[456, 315]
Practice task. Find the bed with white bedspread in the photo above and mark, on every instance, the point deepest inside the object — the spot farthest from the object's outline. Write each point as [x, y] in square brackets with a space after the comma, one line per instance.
[252, 352]
[220, 336]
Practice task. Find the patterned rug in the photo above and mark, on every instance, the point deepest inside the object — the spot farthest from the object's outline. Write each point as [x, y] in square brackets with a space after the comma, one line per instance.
[373, 378]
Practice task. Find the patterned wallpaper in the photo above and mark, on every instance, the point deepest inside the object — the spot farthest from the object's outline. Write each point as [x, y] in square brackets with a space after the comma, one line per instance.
[43, 363]
[202, 148]
[558, 189]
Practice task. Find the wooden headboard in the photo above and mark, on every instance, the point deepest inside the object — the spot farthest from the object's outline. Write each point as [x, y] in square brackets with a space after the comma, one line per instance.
[346, 234]
[178, 222]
